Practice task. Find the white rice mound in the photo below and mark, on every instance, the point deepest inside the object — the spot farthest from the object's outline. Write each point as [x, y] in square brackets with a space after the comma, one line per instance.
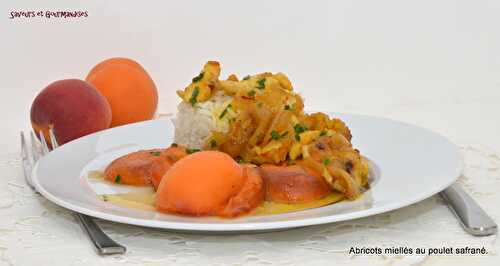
[195, 124]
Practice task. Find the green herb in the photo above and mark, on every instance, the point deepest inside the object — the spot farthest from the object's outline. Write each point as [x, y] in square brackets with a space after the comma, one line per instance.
[155, 153]
[194, 95]
[198, 78]
[224, 112]
[190, 151]
[247, 77]
[284, 134]
[299, 128]
[326, 161]
[251, 93]
[213, 143]
[261, 84]
[173, 144]
[287, 107]
[275, 135]
[118, 178]
[323, 132]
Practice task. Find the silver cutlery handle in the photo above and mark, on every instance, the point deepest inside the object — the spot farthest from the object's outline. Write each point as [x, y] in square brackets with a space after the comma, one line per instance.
[471, 216]
[103, 244]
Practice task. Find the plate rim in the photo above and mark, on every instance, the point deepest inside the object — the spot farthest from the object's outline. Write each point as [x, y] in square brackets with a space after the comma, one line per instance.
[256, 226]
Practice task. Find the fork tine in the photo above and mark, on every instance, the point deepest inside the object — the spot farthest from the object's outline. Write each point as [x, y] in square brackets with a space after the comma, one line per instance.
[24, 148]
[27, 161]
[25, 153]
[53, 139]
[35, 152]
[45, 148]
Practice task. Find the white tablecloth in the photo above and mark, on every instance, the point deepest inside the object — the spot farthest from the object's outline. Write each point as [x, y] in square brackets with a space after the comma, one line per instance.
[33, 229]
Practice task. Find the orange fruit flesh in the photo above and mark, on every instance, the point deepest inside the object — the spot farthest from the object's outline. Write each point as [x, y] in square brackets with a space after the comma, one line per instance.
[249, 197]
[135, 168]
[293, 184]
[144, 167]
[200, 184]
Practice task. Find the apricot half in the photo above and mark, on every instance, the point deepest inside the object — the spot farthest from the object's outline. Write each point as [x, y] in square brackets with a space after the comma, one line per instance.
[292, 184]
[200, 184]
[249, 197]
[144, 167]
[72, 108]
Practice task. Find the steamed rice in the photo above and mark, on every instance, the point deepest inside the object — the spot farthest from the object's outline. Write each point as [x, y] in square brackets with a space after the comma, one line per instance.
[195, 124]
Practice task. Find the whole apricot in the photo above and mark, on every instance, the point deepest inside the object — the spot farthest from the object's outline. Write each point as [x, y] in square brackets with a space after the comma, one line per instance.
[72, 108]
[129, 89]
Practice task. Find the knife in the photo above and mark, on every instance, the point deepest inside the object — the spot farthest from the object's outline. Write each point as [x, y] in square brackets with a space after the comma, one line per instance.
[471, 216]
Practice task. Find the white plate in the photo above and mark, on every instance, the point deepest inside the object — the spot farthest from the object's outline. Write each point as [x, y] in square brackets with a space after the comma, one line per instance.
[408, 164]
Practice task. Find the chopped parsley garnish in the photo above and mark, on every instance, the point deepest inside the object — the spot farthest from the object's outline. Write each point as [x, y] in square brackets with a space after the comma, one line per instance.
[261, 84]
[198, 78]
[224, 112]
[299, 128]
[173, 144]
[252, 93]
[275, 135]
[247, 77]
[118, 179]
[155, 153]
[326, 161]
[213, 143]
[194, 95]
[190, 151]
[322, 133]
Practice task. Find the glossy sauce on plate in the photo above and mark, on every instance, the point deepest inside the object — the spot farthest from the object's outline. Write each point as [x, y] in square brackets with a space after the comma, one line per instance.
[144, 199]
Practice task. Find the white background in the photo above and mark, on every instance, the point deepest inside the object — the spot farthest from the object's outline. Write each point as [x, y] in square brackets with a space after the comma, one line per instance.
[374, 57]
[431, 63]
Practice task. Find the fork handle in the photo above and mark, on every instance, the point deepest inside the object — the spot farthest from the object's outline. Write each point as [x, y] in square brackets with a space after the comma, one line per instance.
[471, 216]
[103, 244]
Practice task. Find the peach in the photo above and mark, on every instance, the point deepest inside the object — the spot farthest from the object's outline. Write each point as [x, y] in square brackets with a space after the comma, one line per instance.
[72, 108]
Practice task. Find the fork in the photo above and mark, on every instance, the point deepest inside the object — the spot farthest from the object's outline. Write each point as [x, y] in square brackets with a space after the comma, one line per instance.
[102, 242]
